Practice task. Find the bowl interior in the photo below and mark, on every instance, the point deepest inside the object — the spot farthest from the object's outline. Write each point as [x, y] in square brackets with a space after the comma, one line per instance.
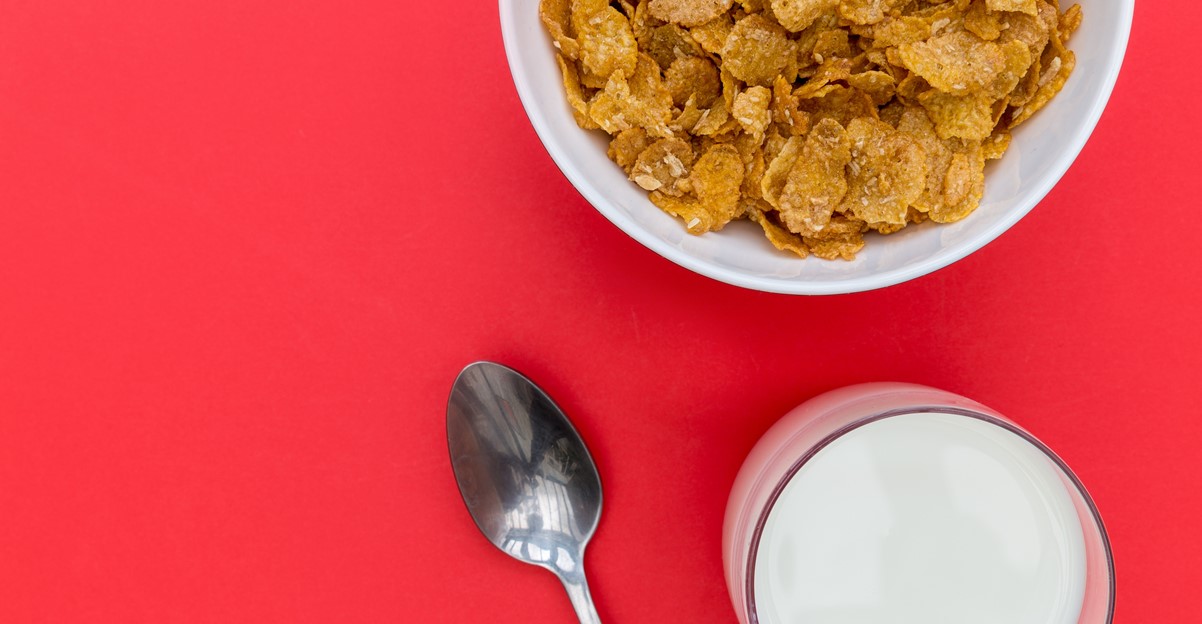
[1042, 150]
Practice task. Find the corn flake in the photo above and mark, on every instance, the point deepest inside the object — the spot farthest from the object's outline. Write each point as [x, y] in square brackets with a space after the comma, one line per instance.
[663, 165]
[957, 63]
[830, 44]
[607, 43]
[575, 94]
[751, 110]
[780, 238]
[689, 13]
[696, 219]
[842, 238]
[1021, 6]
[1070, 21]
[895, 31]
[669, 43]
[758, 50]
[797, 15]
[959, 116]
[886, 174]
[982, 22]
[876, 84]
[995, 146]
[711, 36]
[816, 184]
[779, 165]
[963, 185]
[716, 181]
[866, 12]
[556, 16]
[1055, 75]
[650, 103]
[693, 77]
[626, 147]
[917, 125]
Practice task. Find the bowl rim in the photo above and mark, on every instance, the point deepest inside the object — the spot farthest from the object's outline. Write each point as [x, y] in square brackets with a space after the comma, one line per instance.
[792, 286]
[778, 488]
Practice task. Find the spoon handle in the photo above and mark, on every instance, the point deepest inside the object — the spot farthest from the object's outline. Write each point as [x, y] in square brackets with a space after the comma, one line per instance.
[582, 601]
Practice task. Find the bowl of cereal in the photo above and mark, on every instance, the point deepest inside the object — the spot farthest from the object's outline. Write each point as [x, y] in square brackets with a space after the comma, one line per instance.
[814, 146]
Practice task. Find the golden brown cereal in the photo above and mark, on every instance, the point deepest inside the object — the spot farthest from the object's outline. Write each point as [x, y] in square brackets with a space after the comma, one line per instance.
[797, 15]
[886, 174]
[1060, 63]
[865, 11]
[957, 63]
[650, 103]
[758, 50]
[607, 43]
[959, 116]
[831, 43]
[693, 77]
[687, 120]
[963, 186]
[711, 36]
[839, 103]
[1021, 6]
[592, 81]
[982, 22]
[779, 166]
[689, 13]
[626, 147]
[556, 16]
[1033, 31]
[669, 43]
[817, 182]
[910, 88]
[791, 121]
[895, 31]
[716, 180]
[641, 21]
[755, 164]
[892, 112]
[1016, 59]
[780, 238]
[731, 86]
[607, 108]
[751, 110]
[696, 219]
[1028, 85]
[842, 238]
[575, 93]
[995, 146]
[1070, 21]
[878, 85]
[662, 166]
[713, 121]
[915, 123]
[820, 120]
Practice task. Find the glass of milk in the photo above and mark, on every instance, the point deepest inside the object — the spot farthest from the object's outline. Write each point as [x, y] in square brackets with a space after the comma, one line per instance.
[901, 504]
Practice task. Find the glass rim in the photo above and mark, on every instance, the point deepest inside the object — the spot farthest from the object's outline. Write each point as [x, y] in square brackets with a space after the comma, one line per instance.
[796, 466]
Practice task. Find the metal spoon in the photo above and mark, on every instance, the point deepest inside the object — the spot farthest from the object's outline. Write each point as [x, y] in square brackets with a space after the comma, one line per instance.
[525, 474]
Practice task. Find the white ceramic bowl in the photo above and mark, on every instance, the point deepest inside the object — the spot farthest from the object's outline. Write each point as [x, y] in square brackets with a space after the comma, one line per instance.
[1042, 150]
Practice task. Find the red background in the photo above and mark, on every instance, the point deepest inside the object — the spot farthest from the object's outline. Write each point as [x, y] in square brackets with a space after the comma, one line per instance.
[245, 246]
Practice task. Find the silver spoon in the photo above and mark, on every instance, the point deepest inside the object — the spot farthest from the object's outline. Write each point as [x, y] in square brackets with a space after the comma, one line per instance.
[525, 474]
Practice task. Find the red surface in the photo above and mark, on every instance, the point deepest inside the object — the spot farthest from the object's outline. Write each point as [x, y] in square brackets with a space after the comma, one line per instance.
[245, 246]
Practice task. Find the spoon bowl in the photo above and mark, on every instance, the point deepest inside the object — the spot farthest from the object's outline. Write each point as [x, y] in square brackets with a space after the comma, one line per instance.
[526, 476]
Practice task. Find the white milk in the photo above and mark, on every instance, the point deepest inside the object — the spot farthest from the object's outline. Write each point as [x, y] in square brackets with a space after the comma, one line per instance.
[923, 519]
